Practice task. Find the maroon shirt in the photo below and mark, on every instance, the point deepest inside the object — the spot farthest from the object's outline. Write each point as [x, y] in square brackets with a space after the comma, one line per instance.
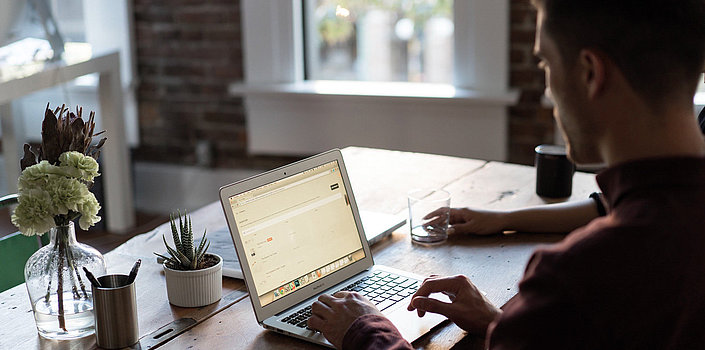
[634, 279]
[373, 332]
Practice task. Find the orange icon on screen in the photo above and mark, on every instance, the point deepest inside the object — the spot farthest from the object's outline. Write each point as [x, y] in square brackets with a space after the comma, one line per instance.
[269, 239]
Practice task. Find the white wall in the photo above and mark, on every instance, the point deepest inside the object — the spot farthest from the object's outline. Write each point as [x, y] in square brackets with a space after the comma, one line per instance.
[281, 121]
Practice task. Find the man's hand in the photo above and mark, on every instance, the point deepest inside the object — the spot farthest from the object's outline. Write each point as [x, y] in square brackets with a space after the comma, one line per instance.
[333, 315]
[468, 309]
[474, 221]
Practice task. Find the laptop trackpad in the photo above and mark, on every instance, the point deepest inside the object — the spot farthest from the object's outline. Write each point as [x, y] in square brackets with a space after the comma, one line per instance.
[410, 325]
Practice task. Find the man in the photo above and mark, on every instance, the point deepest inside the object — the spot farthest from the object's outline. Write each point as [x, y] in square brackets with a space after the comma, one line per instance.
[622, 75]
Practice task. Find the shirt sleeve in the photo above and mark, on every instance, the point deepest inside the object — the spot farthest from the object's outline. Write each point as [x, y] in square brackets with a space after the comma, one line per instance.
[540, 316]
[370, 332]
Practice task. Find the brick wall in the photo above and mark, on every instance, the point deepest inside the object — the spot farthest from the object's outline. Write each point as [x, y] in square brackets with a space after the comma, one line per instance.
[188, 51]
[530, 124]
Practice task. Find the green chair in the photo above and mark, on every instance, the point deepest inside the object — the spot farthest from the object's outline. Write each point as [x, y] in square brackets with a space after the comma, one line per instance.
[15, 249]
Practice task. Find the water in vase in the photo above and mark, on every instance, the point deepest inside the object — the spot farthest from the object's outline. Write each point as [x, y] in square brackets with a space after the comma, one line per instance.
[77, 320]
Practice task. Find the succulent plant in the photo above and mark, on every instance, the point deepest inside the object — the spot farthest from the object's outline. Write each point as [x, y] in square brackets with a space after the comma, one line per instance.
[184, 256]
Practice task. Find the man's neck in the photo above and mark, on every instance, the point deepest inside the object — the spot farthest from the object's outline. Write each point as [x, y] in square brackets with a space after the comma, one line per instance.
[639, 135]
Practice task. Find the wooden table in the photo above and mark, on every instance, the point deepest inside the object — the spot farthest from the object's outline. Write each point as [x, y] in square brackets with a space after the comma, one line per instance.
[380, 180]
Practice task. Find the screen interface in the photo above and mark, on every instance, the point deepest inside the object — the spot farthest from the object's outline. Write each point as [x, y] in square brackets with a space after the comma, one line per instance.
[296, 230]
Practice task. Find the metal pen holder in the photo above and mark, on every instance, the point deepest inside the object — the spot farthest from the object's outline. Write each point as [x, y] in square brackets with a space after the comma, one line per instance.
[115, 312]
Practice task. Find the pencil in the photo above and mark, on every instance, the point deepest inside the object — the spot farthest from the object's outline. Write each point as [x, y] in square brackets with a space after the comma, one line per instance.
[92, 278]
[133, 272]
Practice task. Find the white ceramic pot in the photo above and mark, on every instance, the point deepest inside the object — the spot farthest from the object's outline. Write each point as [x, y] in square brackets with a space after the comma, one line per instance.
[195, 288]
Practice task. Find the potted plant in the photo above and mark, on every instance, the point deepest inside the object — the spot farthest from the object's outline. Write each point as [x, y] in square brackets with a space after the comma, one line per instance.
[194, 278]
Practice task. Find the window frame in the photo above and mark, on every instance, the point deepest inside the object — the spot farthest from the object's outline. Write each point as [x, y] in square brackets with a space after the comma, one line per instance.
[274, 87]
[274, 43]
[313, 61]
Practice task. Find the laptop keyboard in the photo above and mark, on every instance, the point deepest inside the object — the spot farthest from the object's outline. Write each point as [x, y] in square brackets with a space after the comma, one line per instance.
[384, 289]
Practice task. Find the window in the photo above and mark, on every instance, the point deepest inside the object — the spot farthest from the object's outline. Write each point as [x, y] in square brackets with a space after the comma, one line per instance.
[88, 28]
[290, 112]
[274, 41]
[375, 40]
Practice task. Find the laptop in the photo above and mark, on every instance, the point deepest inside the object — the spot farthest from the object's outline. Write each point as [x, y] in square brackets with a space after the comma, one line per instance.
[377, 226]
[298, 234]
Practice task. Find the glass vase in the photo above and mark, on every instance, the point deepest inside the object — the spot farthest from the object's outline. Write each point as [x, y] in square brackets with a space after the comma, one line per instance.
[58, 289]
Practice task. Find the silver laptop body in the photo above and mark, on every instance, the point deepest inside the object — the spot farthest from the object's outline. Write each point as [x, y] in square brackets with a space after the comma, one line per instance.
[298, 234]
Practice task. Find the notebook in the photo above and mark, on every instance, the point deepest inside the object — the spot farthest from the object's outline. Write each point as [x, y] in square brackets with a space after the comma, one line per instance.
[298, 233]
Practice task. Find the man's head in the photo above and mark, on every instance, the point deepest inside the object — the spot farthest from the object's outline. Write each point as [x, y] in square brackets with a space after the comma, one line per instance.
[656, 46]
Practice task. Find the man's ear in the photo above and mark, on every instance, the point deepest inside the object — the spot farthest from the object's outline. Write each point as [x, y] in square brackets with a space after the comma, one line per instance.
[593, 72]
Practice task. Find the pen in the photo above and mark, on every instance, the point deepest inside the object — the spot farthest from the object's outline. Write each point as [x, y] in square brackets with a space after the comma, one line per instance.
[133, 272]
[92, 278]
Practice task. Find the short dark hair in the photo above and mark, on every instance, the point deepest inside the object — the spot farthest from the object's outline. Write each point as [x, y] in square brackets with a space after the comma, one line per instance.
[659, 45]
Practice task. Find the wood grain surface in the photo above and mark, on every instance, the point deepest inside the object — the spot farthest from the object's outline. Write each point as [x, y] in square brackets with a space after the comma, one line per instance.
[154, 311]
[380, 181]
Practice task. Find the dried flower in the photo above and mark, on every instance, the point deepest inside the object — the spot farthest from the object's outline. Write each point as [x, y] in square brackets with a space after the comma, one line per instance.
[64, 133]
[56, 177]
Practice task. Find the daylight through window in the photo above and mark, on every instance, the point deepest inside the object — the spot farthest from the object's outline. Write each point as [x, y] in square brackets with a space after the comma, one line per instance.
[379, 40]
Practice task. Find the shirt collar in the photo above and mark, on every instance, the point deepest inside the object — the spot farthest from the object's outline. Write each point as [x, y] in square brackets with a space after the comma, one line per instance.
[632, 176]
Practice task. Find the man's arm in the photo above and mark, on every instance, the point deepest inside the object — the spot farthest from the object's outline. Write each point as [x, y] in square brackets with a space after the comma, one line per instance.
[374, 332]
[350, 321]
[559, 217]
[545, 314]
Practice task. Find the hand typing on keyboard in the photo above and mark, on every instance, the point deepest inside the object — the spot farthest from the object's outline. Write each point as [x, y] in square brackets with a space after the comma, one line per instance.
[333, 315]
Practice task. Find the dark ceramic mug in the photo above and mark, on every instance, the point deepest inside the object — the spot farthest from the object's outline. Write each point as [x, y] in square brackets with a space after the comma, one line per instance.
[554, 172]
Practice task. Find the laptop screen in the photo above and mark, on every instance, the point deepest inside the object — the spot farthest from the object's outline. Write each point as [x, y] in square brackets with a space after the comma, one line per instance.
[296, 230]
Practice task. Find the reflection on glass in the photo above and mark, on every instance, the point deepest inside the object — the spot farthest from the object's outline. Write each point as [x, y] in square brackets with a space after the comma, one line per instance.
[380, 40]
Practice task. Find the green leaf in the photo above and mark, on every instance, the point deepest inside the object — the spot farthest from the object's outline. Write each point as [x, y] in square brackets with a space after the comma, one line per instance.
[179, 257]
[182, 228]
[162, 256]
[187, 239]
[174, 232]
[194, 264]
[186, 253]
[168, 260]
[169, 249]
[203, 253]
[185, 261]
[200, 246]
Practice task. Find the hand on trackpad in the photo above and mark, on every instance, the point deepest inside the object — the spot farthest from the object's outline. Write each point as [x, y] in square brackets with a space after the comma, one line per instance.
[462, 302]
